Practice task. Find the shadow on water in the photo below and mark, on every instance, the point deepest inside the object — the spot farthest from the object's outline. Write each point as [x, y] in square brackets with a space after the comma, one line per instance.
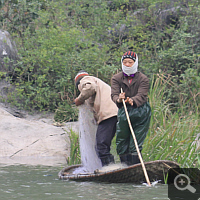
[32, 183]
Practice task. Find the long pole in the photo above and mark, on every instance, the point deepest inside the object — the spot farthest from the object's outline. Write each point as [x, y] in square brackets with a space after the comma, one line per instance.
[135, 141]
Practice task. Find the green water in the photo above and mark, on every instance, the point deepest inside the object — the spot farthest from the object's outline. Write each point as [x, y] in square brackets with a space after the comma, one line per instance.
[39, 182]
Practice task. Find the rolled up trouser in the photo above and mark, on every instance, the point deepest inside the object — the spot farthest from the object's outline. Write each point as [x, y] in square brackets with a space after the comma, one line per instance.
[140, 121]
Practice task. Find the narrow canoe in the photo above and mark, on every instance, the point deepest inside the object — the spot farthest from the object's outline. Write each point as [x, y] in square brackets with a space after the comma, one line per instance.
[156, 170]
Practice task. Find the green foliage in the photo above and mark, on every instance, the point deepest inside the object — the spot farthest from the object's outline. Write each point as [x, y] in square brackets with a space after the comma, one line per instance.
[74, 149]
[171, 135]
[165, 177]
[66, 113]
[56, 39]
[17, 15]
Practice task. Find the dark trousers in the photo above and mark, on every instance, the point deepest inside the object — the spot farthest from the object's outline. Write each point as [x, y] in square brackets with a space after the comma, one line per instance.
[104, 135]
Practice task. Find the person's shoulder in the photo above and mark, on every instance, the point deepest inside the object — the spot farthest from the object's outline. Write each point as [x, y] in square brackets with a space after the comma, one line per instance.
[86, 79]
[141, 75]
[93, 80]
[96, 79]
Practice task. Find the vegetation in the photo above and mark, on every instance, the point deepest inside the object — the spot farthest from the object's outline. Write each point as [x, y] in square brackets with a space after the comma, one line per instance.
[171, 135]
[56, 39]
[75, 157]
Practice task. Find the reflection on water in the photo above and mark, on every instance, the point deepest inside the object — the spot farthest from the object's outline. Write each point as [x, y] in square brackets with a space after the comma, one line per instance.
[32, 183]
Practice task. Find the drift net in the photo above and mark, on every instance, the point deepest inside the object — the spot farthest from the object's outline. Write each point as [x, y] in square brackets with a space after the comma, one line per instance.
[87, 140]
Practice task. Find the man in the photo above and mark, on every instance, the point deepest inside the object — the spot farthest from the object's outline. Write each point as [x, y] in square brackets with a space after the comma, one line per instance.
[97, 94]
[135, 86]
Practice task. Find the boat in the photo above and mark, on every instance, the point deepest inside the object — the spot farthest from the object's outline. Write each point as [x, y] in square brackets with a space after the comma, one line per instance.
[156, 170]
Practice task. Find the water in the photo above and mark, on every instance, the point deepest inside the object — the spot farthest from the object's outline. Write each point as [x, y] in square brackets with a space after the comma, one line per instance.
[23, 182]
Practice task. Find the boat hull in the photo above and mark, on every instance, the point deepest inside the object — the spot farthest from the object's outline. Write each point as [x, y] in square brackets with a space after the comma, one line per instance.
[156, 170]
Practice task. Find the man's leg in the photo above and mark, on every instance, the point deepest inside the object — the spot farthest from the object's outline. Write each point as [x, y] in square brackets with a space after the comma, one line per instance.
[105, 133]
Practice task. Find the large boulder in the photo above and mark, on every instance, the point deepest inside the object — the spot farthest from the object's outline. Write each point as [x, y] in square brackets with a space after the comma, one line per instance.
[8, 52]
[34, 140]
[8, 57]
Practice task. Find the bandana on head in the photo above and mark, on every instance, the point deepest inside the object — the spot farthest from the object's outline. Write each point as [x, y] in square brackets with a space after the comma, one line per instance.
[130, 71]
[79, 76]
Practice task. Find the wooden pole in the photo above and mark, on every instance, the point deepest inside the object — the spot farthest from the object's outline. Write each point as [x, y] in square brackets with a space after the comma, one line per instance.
[135, 141]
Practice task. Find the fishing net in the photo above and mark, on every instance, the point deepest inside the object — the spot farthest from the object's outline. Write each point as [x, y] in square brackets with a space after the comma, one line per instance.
[87, 140]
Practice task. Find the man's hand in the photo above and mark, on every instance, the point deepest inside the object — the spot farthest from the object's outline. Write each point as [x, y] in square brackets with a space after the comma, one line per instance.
[121, 96]
[77, 102]
[129, 100]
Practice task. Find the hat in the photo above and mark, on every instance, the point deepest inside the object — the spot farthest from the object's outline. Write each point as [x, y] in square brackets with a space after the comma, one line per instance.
[79, 76]
[129, 54]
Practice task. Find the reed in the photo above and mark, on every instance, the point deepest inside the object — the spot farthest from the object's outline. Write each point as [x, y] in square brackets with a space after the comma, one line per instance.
[75, 157]
[165, 176]
[171, 135]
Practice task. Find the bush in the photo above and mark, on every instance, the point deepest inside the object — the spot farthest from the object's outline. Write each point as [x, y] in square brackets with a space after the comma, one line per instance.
[67, 36]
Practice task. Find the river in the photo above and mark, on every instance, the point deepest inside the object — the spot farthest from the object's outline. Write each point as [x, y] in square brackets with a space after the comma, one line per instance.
[39, 182]
[24, 182]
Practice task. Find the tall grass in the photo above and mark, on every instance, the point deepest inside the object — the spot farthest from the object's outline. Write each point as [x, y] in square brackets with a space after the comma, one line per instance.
[171, 134]
[74, 157]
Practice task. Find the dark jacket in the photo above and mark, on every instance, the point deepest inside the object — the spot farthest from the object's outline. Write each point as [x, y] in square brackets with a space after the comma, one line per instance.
[137, 89]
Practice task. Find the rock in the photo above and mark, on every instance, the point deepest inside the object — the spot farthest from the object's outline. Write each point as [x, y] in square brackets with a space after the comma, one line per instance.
[33, 141]
[8, 52]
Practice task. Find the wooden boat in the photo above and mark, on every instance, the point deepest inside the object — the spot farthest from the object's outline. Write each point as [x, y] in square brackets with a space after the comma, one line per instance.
[156, 170]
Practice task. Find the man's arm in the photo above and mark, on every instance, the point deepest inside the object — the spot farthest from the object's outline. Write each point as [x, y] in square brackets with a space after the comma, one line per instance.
[88, 89]
[142, 93]
[115, 92]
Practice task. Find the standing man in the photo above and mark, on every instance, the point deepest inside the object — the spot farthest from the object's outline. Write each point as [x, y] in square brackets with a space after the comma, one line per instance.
[98, 95]
[135, 86]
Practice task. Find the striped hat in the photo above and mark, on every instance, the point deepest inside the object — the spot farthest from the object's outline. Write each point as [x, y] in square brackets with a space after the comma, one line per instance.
[129, 54]
[79, 76]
